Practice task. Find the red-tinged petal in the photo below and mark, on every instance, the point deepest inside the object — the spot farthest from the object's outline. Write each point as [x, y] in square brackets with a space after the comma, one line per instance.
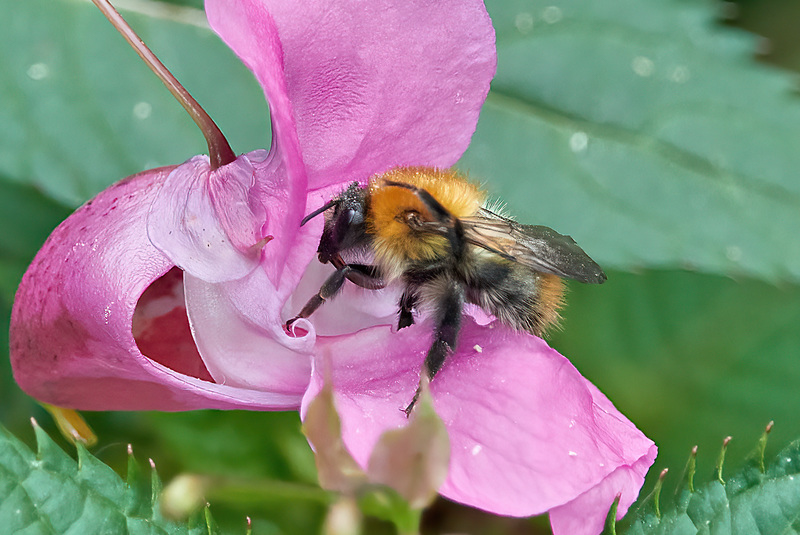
[72, 339]
[527, 432]
[401, 83]
[207, 222]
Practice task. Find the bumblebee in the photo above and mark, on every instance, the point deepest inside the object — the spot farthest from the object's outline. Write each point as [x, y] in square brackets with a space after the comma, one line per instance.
[428, 229]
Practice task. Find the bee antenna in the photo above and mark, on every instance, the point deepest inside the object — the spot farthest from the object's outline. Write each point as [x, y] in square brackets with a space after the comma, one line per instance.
[318, 211]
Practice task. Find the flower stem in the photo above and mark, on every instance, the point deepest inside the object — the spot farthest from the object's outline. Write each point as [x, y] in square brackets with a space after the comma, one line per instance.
[219, 151]
[235, 490]
[409, 524]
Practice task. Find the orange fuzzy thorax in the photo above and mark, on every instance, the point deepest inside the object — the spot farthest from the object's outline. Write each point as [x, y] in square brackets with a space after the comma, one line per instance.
[395, 243]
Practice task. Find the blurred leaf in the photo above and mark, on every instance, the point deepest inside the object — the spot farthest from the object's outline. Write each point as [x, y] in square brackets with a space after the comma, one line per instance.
[237, 443]
[197, 4]
[750, 502]
[386, 504]
[646, 131]
[48, 492]
[255, 451]
[28, 217]
[689, 358]
[80, 110]
[776, 21]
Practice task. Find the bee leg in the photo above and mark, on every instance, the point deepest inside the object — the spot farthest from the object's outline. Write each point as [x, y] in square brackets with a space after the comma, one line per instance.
[365, 277]
[407, 304]
[359, 274]
[329, 289]
[449, 309]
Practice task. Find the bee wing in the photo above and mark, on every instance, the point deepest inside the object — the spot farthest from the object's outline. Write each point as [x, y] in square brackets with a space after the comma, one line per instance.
[537, 247]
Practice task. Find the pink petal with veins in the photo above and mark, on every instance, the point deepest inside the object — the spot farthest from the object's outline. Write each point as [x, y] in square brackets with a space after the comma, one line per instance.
[587, 513]
[372, 85]
[238, 325]
[527, 432]
[246, 353]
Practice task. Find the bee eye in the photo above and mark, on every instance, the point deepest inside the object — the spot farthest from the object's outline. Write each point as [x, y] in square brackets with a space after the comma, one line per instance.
[355, 217]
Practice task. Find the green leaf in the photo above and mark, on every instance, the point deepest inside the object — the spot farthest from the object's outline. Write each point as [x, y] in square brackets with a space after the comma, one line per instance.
[32, 216]
[385, 503]
[751, 501]
[238, 443]
[647, 132]
[80, 110]
[610, 527]
[47, 492]
[689, 358]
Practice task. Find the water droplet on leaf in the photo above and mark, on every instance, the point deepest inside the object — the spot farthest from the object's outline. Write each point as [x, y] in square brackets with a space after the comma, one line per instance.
[38, 71]
[552, 14]
[643, 66]
[142, 110]
[578, 142]
[524, 22]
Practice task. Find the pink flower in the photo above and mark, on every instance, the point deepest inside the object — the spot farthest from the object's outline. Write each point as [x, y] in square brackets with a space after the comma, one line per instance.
[162, 294]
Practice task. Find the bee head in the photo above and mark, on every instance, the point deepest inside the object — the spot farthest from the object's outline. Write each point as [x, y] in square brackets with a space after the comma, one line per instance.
[344, 222]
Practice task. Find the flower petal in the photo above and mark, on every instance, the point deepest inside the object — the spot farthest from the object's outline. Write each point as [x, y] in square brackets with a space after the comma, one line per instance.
[207, 222]
[250, 31]
[527, 432]
[587, 512]
[238, 325]
[72, 341]
[247, 351]
[402, 83]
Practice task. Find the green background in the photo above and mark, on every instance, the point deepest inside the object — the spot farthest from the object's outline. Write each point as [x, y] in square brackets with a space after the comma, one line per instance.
[662, 138]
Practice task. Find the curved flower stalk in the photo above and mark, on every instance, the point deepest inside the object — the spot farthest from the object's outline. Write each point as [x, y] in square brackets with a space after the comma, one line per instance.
[170, 289]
